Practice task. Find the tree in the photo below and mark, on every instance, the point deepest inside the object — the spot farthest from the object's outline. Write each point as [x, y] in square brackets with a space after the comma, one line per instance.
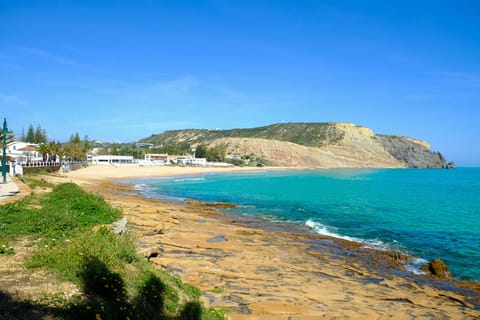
[40, 135]
[30, 134]
[37, 135]
[53, 149]
[44, 150]
[217, 153]
[201, 151]
[60, 152]
[76, 149]
[114, 150]
[75, 138]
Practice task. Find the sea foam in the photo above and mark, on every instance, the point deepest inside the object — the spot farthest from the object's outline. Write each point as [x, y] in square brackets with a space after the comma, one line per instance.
[324, 230]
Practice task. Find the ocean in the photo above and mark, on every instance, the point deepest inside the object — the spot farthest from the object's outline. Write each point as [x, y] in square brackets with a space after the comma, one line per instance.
[426, 213]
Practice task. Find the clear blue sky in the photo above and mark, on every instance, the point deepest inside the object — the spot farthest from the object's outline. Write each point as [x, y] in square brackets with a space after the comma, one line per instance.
[122, 70]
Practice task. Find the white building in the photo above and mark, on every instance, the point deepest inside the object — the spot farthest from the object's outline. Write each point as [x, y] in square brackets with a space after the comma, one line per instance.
[111, 160]
[183, 160]
[199, 161]
[23, 152]
[190, 161]
[156, 157]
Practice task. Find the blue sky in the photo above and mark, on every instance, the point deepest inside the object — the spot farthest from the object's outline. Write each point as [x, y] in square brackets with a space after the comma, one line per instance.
[122, 70]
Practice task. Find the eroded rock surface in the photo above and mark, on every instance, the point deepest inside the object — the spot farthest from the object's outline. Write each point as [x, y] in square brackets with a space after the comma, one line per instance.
[259, 270]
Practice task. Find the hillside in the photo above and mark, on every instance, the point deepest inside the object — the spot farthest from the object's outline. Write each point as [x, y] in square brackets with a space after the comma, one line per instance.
[331, 145]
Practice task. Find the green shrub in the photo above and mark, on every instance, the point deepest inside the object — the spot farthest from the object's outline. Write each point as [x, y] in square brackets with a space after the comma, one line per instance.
[150, 300]
[86, 209]
[117, 283]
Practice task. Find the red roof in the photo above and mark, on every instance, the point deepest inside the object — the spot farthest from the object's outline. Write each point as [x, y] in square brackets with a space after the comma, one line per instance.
[28, 148]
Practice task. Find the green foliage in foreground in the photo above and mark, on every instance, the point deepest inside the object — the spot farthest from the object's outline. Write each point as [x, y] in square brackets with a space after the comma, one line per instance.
[116, 282]
[35, 180]
[54, 217]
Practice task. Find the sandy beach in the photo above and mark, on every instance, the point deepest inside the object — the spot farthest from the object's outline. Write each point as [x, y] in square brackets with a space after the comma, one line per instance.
[101, 172]
[254, 269]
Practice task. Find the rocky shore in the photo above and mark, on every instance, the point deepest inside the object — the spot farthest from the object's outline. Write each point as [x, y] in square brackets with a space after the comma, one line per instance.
[254, 269]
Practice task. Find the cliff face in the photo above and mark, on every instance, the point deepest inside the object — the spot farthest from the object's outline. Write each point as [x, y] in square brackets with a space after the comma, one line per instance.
[332, 145]
[414, 153]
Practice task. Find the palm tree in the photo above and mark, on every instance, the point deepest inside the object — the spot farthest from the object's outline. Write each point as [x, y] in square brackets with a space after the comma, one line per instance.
[53, 150]
[61, 153]
[45, 151]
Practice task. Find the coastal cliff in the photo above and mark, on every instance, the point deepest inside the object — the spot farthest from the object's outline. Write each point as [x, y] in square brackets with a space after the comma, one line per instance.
[414, 153]
[329, 145]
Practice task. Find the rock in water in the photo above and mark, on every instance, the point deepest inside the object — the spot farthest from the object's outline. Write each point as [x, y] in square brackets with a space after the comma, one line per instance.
[438, 267]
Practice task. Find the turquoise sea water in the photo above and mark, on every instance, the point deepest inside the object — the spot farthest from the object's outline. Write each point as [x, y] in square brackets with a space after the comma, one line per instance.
[425, 213]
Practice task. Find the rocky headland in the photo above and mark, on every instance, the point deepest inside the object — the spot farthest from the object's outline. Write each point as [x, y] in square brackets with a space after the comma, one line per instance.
[326, 145]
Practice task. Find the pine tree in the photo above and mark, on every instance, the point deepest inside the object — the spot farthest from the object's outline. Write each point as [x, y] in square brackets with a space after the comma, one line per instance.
[40, 135]
[30, 134]
[75, 138]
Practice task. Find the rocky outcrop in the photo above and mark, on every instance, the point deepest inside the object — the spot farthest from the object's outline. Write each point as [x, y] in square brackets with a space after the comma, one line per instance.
[414, 153]
[438, 268]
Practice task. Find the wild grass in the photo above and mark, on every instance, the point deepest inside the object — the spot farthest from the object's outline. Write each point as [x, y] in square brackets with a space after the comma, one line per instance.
[35, 180]
[116, 282]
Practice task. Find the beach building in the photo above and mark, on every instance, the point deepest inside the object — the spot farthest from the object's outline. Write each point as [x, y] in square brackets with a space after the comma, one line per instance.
[199, 162]
[156, 157]
[165, 159]
[183, 160]
[111, 160]
[190, 161]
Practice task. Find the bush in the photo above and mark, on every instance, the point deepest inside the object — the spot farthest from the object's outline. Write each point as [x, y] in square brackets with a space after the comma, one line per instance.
[117, 283]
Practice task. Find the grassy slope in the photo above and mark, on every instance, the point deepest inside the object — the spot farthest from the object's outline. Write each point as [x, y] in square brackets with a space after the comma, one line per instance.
[307, 134]
[116, 282]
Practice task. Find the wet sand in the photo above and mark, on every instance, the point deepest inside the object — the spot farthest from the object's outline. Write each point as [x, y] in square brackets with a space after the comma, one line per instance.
[255, 269]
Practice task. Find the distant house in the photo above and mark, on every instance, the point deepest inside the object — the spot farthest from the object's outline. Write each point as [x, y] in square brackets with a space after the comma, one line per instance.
[24, 152]
[144, 145]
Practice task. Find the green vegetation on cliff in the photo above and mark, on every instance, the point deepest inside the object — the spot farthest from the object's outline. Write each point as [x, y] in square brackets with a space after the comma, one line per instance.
[67, 229]
[328, 144]
[307, 134]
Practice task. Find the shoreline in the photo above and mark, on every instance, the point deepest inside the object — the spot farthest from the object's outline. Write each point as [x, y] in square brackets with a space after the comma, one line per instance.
[412, 264]
[260, 222]
[352, 282]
